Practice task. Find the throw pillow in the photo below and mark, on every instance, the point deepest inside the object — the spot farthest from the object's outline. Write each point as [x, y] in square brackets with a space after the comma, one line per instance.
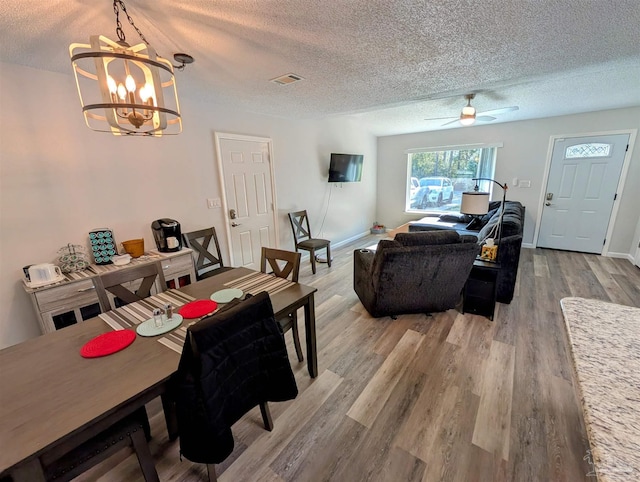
[455, 218]
[490, 230]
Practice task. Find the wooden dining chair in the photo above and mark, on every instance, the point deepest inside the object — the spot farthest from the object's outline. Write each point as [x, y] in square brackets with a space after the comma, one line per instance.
[128, 285]
[64, 463]
[303, 239]
[284, 264]
[231, 362]
[206, 250]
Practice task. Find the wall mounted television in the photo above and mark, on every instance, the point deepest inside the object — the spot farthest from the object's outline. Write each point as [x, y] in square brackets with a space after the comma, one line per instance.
[345, 167]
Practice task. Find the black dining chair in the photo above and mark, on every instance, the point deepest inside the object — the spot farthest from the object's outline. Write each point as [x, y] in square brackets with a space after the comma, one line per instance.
[303, 240]
[231, 361]
[128, 285]
[284, 264]
[206, 250]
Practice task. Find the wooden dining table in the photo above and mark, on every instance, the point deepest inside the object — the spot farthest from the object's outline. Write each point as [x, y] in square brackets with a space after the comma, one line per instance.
[53, 399]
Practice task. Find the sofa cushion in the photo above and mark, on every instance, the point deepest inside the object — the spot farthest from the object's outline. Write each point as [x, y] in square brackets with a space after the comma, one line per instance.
[511, 225]
[428, 238]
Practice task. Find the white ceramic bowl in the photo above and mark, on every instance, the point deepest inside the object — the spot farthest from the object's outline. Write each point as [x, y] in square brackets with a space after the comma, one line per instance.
[121, 260]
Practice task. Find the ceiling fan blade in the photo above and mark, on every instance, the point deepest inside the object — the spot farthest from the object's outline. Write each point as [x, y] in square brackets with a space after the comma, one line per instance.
[485, 118]
[452, 122]
[502, 110]
[440, 118]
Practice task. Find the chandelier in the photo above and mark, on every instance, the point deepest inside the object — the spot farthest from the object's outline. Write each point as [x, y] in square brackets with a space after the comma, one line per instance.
[127, 90]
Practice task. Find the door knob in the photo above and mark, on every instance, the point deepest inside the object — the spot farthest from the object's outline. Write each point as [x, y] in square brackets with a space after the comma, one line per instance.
[234, 224]
[547, 203]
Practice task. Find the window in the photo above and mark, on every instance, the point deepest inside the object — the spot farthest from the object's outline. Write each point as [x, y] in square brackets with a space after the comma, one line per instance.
[443, 175]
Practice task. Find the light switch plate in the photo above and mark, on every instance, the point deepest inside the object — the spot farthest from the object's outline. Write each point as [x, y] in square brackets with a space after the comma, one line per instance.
[213, 203]
[526, 183]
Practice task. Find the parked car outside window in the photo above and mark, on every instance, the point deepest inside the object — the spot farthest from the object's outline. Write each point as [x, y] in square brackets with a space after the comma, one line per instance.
[432, 191]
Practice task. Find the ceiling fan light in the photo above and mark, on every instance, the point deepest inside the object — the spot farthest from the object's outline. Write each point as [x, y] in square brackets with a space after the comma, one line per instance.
[467, 120]
[469, 110]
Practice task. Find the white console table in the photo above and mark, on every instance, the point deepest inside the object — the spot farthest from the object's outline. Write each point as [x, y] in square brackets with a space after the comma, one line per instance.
[75, 299]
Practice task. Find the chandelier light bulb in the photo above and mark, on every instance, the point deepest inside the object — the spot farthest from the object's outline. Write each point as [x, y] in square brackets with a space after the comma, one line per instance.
[130, 83]
[112, 85]
[122, 92]
[145, 92]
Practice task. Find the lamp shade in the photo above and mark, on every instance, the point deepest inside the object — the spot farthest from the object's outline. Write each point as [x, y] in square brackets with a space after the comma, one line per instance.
[474, 202]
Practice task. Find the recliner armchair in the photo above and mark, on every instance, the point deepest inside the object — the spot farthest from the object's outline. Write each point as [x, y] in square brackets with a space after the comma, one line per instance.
[414, 273]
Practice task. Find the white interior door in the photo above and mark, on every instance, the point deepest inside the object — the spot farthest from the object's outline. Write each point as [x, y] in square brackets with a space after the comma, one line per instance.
[249, 196]
[581, 190]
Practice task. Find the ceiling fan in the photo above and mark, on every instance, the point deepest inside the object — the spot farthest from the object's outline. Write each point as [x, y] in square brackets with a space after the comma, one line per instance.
[468, 115]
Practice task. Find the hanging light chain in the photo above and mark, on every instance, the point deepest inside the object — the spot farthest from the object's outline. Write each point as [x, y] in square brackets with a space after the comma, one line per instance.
[117, 5]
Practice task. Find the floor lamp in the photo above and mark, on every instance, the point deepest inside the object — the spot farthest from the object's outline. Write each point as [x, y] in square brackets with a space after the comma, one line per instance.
[476, 203]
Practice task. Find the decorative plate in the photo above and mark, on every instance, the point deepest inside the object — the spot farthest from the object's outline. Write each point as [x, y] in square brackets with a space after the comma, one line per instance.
[224, 296]
[148, 328]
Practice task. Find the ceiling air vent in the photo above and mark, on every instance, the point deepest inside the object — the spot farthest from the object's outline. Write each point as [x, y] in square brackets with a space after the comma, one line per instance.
[287, 79]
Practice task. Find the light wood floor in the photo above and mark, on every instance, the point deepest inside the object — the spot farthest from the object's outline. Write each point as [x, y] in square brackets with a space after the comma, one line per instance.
[447, 397]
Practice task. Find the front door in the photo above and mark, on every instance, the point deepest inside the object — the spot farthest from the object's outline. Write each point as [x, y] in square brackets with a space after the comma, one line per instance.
[581, 189]
[249, 195]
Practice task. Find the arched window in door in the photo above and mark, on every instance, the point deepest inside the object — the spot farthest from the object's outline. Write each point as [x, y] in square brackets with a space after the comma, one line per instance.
[588, 150]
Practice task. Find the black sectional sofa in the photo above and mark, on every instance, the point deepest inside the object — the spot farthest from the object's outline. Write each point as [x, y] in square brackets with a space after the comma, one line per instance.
[510, 244]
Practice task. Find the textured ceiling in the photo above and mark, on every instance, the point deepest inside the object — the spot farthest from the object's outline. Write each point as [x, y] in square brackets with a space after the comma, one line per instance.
[390, 64]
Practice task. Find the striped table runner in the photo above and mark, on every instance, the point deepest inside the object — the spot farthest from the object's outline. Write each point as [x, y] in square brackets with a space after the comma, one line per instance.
[254, 283]
[133, 314]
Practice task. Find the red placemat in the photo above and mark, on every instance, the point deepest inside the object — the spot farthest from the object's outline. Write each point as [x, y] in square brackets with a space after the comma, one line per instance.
[198, 308]
[107, 343]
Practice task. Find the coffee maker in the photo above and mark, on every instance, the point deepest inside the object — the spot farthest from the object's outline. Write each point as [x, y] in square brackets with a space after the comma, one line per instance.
[167, 234]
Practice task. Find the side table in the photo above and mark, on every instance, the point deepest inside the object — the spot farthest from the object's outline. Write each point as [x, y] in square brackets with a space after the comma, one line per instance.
[479, 296]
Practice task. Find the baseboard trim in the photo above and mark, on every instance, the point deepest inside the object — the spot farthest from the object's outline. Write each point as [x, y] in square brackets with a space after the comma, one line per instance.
[626, 256]
[528, 245]
[305, 254]
[352, 238]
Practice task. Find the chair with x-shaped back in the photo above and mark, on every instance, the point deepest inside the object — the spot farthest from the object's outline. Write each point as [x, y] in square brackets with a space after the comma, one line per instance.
[282, 264]
[303, 240]
[123, 284]
[206, 249]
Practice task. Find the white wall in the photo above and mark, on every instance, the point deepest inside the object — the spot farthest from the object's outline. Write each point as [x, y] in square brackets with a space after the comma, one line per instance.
[524, 156]
[58, 179]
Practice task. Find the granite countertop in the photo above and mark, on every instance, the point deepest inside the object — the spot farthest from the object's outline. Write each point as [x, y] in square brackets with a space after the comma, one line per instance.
[605, 347]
